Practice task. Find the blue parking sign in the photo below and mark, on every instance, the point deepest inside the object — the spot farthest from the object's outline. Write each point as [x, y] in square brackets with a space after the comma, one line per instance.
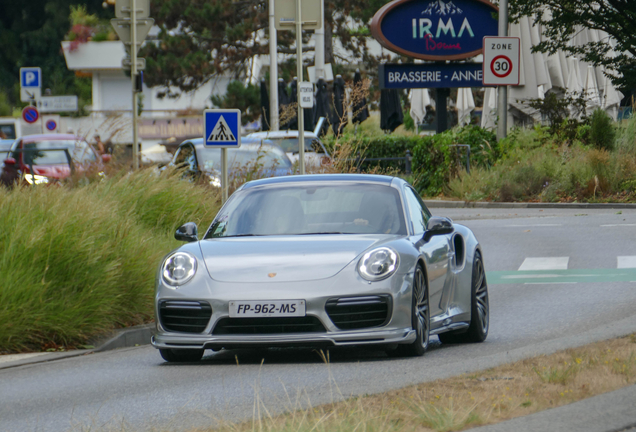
[30, 77]
[222, 127]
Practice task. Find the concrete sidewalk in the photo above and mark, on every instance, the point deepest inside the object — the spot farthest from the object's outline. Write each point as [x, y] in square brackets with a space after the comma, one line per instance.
[128, 337]
[609, 412]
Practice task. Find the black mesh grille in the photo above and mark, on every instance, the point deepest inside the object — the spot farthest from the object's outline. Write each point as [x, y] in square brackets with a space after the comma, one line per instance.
[270, 325]
[359, 312]
[184, 316]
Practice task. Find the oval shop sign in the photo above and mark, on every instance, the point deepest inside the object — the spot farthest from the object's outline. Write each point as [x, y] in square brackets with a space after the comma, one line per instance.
[435, 29]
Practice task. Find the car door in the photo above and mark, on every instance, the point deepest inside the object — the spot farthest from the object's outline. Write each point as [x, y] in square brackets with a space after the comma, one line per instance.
[435, 250]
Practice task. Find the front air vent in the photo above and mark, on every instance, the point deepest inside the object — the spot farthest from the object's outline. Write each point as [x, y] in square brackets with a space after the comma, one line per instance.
[353, 313]
[270, 325]
[184, 316]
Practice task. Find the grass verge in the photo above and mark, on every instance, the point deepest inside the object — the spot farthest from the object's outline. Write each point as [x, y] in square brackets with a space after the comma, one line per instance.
[79, 261]
[469, 400]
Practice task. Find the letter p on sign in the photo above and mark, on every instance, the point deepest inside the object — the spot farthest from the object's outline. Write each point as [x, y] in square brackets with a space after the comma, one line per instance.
[31, 77]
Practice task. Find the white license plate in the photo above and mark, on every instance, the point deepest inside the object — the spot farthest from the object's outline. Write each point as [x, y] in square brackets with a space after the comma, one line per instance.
[266, 308]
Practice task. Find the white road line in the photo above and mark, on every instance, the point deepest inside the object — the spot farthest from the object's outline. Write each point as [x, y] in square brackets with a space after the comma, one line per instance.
[548, 283]
[534, 225]
[546, 263]
[626, 262]
[619, 225]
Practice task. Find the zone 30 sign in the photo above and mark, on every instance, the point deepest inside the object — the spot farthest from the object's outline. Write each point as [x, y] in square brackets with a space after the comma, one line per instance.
[501, 60]
[435, 29]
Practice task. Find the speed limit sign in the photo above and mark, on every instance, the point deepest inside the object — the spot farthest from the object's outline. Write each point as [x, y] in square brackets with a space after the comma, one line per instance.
[501, 60]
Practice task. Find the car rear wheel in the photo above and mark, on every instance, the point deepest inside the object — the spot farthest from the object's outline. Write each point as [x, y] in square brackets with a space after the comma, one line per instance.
[181, 355]
[479, 310]
[420, 318]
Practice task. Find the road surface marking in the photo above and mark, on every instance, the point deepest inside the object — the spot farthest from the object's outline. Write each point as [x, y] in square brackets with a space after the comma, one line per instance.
[619, 225]
[545, 263]
[626, 262]
[534, 225]
[548, 283]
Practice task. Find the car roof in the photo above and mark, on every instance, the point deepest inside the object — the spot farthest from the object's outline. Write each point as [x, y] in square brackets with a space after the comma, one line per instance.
[281, 134]
[52, 137]
[323, 178]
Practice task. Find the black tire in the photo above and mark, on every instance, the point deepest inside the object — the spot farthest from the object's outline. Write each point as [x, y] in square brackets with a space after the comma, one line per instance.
[420, 318]
[479, 309]
[181, 355]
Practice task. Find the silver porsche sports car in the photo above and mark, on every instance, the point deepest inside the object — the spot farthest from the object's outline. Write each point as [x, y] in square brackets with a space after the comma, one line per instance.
[321, 261]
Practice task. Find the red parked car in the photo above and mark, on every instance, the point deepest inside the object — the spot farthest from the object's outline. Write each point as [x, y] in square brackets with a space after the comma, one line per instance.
[41, 159]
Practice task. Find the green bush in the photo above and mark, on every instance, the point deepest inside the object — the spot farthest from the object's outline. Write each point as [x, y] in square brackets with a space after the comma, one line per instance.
[76, 262]
[602, 133]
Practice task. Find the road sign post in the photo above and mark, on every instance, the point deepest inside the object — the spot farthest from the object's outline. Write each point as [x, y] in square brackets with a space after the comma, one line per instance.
[312, 13]
[132, 26]
[30, 84]
[222, 129]
[55, 104]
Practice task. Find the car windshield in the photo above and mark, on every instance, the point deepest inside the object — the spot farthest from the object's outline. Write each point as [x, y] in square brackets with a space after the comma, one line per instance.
[336, 208]
[290, 144]
[41, 153]
[268, 157]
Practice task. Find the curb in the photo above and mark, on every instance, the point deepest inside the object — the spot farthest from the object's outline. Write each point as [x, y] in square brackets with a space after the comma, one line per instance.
[124, 338]
[483, 204]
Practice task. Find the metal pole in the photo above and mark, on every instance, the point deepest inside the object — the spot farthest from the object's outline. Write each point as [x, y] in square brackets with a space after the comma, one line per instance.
[319, 61]
[133, 77]
[224, 176]
[299, 72]
[273, 70]
[502, 101]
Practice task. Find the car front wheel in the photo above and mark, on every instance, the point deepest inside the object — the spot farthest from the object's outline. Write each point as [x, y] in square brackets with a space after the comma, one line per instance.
[420, 318]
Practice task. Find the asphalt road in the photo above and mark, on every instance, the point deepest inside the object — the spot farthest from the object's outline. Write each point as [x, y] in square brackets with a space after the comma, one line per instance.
[133, 389]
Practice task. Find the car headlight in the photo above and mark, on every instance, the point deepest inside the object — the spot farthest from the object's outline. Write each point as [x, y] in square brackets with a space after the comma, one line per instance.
[36, 179]
[378, 264]
[179, 268]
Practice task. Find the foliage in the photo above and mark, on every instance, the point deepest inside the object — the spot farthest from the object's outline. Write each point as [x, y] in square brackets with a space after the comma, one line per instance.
[557, 108]
[30, 35]
[68, 275]
[561, 21]
[5, 106]
[246, 98]
[224, 35]
[537, 165]
[602, 132]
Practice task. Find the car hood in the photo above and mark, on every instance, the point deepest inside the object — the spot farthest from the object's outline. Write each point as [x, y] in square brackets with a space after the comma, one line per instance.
[283, 258]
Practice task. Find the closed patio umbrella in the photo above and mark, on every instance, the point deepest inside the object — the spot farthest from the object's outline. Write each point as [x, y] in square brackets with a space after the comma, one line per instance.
[465, 105]
[339, 114]
[391, 115]
[360, 109]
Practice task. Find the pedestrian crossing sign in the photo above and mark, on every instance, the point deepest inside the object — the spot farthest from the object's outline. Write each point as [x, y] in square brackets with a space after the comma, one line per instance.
[222, 128]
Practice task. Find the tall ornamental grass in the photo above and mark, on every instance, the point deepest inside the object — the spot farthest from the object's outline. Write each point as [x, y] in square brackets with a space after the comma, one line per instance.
[77, 262]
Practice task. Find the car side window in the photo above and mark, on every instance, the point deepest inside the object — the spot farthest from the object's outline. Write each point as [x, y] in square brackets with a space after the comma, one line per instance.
[186, 156]
[418, 215]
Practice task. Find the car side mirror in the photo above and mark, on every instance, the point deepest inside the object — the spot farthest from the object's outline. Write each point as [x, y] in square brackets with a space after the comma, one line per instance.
[106, 158]
[438, 226]
[187, 232]
[9, 161]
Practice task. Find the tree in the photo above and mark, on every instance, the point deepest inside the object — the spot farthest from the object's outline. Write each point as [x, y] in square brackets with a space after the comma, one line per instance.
[30, 35]
[561, 20]
[201, 39]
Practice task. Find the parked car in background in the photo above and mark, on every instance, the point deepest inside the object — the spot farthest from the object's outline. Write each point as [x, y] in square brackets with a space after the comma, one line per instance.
[41, 159]
[256, 158]
[316, 155]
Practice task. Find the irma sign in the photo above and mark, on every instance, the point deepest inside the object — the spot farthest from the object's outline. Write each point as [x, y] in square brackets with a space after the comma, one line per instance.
[435, 29]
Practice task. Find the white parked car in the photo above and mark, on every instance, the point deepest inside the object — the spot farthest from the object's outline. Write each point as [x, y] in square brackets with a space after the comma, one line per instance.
[316, 154]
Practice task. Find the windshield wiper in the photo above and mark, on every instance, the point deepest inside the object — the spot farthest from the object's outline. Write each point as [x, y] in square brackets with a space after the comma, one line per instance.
[243, 235]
